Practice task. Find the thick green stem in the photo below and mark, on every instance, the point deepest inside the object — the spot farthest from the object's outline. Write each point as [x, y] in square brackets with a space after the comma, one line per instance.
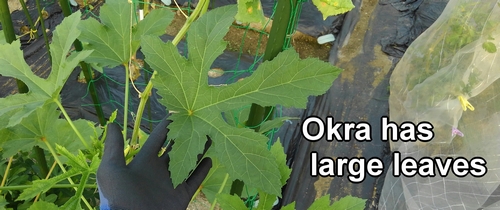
[81, 186]
[6, 174]
[27, 14]
[44, 31]
[127, 77]
[87, 71]
[7, 27]
[255, 117]
[220, 190]
[71, 124]
[275, 45]
[148, 102]
[190, 19]
[140, 110]
[41, 161]
[277, 37]
[22, 187]
[125, 105]
[65, 7]
[56, 158]
[47, 177]
[205, 8]
[145, 6]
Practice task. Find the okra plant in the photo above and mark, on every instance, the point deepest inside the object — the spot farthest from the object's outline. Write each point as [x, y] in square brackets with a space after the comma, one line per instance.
[238, 153]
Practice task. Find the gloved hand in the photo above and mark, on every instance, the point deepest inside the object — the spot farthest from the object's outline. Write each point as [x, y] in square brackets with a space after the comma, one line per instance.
[144, 183]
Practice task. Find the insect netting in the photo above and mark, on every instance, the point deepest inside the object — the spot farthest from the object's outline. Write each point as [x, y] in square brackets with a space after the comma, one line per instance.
[449, 77]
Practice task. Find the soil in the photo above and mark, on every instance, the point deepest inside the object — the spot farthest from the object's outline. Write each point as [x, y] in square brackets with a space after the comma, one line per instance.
[201, 203]
[245, 38]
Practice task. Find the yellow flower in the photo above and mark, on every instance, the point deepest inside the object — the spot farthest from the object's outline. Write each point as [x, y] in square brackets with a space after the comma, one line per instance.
[465, 104]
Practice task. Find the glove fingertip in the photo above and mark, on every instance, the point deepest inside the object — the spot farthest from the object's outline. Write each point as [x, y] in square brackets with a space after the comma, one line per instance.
[113, 146]
[200, 173]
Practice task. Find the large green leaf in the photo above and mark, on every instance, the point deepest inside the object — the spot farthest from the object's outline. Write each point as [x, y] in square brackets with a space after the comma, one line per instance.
[266, 200]
[44, 125]
[350, 203]
[278, 151]
[14, 108]
[347, 203]
[183, 85]
[250, 11]
[230, 202]
[321, 203]
[43, 205]
[290, 206]
[237, 117]
[274, 123]
[43, 185]
[118, 37]
[214, 180]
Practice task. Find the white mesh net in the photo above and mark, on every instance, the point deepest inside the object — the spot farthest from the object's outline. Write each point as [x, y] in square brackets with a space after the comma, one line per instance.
[454, 62]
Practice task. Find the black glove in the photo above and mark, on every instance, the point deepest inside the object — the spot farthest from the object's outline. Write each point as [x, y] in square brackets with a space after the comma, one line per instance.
[144, 183]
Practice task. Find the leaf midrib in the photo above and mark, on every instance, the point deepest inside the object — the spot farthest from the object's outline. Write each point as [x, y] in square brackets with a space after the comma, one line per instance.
[229, 139]
[256, 90]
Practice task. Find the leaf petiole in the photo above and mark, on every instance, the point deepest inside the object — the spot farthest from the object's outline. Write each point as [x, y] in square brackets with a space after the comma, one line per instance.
[220, 190]
[125, 104]
[59, 186]
[47, 177]
[56, 158]
[140, 110]
[71, 124]
[197, 11]
[6, 173]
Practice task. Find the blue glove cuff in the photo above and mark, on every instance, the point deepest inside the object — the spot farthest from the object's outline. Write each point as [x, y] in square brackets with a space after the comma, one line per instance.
[104, 203]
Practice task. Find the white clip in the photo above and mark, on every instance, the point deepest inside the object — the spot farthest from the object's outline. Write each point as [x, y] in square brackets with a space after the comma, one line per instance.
[141, 14]
[326, 38]
[73, 3]
[166, 2]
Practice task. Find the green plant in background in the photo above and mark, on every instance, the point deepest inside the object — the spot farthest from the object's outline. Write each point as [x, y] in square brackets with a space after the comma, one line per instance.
[32, 119]
[449, 53]
[333, 7]
[462, 30]
[323, 203]
[250, 11]
[238, 153]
